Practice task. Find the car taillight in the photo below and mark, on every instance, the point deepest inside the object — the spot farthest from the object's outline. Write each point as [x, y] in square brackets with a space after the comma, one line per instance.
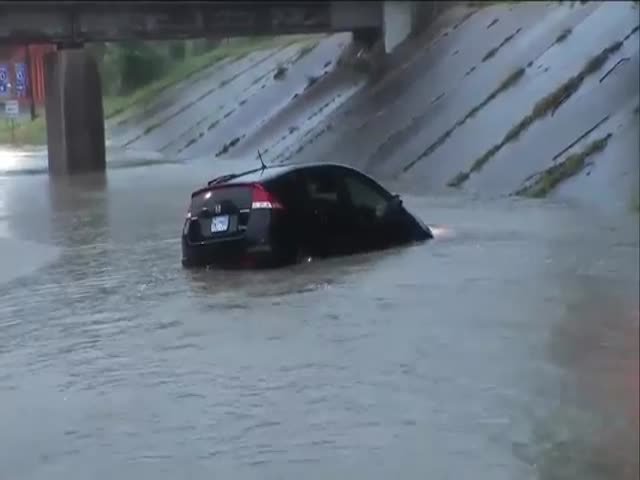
[264, 199]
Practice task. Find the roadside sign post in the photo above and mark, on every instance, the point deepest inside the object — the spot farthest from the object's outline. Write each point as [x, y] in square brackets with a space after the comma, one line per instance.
[12, 110]
[21, 79]
[29, 81]
[21, 88]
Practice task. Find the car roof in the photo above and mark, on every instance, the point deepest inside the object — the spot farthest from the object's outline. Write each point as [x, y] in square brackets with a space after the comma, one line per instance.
[258, 175]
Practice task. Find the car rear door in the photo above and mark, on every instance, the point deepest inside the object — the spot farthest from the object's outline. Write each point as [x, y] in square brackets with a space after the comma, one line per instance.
[290, 190]
[326, 226]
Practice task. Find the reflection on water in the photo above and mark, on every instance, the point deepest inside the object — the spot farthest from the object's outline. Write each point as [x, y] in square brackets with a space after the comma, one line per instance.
[441, 232]
[78, 209]
[592, 433]
[505, 348]
[599, 327]
[307, 277]
[14, 159]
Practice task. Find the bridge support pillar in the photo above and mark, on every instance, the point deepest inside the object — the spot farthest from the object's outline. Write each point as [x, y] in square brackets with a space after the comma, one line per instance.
[75, 119]
[401, 20]
[398, 22]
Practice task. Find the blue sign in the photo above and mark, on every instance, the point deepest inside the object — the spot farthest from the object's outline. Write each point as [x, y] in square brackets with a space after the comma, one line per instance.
[4, 80]
[21, 79]
[21, 72]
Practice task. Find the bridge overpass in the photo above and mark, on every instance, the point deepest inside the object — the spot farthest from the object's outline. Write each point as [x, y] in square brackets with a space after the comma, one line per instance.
[74, 114]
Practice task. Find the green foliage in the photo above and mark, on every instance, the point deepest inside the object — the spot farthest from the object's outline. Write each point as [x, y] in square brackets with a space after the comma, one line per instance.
[177, 50]
[138, 64]
[128, 66]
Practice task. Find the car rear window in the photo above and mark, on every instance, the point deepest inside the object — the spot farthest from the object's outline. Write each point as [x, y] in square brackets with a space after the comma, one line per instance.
[239, 195]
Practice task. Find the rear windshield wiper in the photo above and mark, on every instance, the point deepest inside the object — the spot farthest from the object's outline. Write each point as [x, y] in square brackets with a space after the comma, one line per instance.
[222, 179]
[231, 176]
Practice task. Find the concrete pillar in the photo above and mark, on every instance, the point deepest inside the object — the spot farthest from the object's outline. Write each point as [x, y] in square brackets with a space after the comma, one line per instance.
[355, 15]
[398, 21]
[75, 119]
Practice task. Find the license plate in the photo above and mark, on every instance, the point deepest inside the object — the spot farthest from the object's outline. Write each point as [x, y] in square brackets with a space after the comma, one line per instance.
[220, 224]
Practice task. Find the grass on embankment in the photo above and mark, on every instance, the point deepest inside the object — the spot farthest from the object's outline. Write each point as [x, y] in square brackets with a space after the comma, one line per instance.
[553, 176]
[35, 133]
[544, 107]
[507, 83]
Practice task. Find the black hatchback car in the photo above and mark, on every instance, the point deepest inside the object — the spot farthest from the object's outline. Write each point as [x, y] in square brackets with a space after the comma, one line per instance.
[279, 215]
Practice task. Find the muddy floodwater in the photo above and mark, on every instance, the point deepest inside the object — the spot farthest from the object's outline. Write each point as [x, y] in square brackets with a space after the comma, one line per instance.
[506, 348]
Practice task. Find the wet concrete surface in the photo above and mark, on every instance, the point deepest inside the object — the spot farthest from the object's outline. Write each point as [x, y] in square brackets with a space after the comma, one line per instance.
[613, 171]
[409, 125]
[593, 101]
[505, 348]
[145, 128]
[234, 101]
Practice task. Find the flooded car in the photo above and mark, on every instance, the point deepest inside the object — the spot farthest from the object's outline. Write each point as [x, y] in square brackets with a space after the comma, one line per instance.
[278, 215]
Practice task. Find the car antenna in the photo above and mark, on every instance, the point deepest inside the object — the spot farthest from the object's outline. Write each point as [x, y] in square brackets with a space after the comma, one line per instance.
[261, 161]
